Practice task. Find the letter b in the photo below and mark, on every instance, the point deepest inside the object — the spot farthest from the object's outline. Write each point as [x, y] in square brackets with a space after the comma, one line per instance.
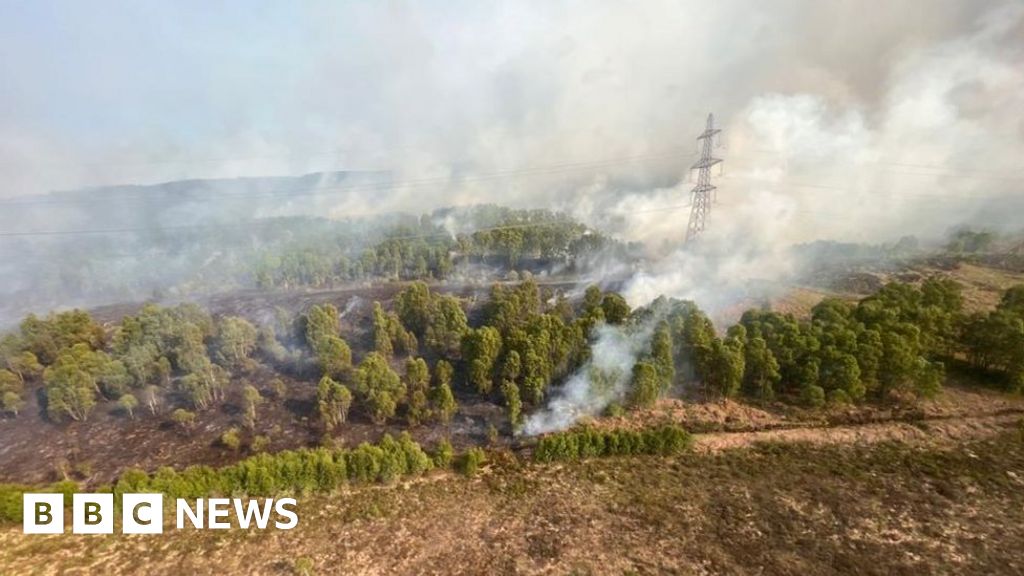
[92, 514]
[43, 513]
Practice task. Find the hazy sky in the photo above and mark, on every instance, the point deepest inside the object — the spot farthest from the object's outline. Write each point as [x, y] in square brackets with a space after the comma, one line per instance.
[134, 92]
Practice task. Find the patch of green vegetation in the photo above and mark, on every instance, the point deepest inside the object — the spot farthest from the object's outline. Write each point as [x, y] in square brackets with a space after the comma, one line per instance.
[593, 443]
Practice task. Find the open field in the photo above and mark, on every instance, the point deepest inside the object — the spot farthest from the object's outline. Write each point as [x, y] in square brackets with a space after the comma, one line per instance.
[772, 508]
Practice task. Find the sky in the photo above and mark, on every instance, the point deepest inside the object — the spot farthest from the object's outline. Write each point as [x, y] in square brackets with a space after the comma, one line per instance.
[808, 91]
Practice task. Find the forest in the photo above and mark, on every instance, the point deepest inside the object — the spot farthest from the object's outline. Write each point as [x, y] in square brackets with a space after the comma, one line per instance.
[173, 362]
[424, 350]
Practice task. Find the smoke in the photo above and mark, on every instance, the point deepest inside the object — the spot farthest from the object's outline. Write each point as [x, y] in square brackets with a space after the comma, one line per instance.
[604, 379]
[838, 122]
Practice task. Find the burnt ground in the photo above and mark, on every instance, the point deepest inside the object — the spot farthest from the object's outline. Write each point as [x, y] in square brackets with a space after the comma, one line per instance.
[33, 449]
[36, 450]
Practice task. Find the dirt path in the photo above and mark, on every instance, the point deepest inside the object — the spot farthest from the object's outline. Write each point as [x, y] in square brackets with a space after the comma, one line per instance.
[933, 431]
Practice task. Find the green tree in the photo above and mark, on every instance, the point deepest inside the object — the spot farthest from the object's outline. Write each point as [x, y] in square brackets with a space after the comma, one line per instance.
[333, 402]
[231, 439]
[417, 381]
[762, 370]
[379, 387]
[334, 357]
[661, 354]
[70, 391]
[615, 308]
[442, 401]
[480, 349]
[721, 367]
[251, 400]
[11, 402]
[446, 326]
[645, 386]
[236, 340]
[321, 322]
[513, 403]
[128, 403]
[414, 306]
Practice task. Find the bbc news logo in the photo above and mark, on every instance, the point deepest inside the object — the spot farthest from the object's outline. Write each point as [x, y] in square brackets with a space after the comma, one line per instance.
[144, 513]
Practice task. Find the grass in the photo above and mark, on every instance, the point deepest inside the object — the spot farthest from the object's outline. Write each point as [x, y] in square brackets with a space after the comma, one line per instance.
[885, 508]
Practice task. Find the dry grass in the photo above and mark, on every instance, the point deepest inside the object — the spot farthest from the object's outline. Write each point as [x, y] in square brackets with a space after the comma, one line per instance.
[771, 508]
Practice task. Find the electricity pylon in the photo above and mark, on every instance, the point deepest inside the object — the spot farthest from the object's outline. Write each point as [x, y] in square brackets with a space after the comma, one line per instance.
[701, 195]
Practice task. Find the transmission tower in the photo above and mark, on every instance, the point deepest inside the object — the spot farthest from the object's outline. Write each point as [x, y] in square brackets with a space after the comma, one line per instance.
[701, 195]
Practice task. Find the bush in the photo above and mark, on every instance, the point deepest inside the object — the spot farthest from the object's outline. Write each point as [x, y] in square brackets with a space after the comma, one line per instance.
[812, 396]
[231, 440]
[443, 454]
[294, 471]
[838, 397]
[592, 443]
[11, 497]
[471, 461]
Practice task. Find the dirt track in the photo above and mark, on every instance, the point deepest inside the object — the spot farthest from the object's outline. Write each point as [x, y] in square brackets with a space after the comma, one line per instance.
[936, 431]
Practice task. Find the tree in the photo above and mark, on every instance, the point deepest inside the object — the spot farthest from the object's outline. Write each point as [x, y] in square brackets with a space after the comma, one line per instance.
[251, 400]
[645, 386]
[480, 349]
[380, 388]
[151, 397]
[320, 323]
[12, 403]
[513, 403]
[381, 331]
[447, 325]
[762, 370]
[10, 384]
[721, 366]
[661, 354]
[413, 306]
[70, 391]
[236, 340]
[615, 308]
[25, 365]
[334, 357]
[197, 389]
[333, 402]
[512, 366]
[128, 403]
[442, 401]
[417, 380]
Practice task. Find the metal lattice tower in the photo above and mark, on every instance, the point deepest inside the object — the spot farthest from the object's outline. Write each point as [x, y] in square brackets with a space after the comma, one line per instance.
[701, 195]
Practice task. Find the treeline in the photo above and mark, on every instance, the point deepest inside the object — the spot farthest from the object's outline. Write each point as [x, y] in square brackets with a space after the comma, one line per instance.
[428, 249]
[994, 341]
[303, 471]
[589, 442]
[160, 350]
[895, 342]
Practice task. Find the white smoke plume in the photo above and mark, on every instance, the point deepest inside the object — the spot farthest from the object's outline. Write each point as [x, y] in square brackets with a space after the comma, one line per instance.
[602, 380]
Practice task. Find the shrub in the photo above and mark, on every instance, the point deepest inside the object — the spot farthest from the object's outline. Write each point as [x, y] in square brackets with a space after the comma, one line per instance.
[588, 442]
[443, 454]
[471, 461]
[813, 396]
[838, 397]
[231, 440]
